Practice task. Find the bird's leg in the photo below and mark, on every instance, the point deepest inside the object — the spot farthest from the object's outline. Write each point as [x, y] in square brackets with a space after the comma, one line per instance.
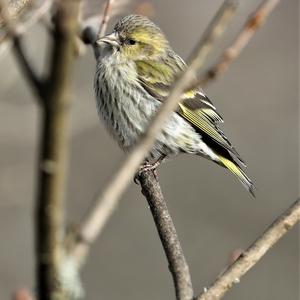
[147, 166]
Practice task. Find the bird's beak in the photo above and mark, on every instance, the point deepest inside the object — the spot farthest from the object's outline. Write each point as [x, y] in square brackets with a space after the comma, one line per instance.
[111, 39]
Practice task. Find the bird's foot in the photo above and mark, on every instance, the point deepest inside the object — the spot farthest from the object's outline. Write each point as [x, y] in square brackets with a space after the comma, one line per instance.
[146, 166]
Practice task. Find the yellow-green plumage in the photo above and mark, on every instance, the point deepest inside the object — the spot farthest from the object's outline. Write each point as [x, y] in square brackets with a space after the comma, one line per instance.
[134, 74]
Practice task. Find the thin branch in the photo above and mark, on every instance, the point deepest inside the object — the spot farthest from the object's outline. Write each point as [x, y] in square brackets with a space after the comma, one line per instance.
[105, 17]
[254, 253]
[168, 236]
[106, 203]
[13, 33]
[30, 74]
[89, 34]
[255, 21]
[20, 28]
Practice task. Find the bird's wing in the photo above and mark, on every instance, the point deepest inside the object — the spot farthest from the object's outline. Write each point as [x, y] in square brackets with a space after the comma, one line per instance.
[156, 77]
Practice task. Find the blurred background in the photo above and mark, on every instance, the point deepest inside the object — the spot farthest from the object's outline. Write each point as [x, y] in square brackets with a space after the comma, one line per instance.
[259, 100]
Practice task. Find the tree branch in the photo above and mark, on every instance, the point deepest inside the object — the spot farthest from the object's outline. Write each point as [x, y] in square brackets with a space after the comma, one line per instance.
[56, 100]
[105, 17]
[106, 203]
[254, 253]
[255, 21]
[13, 33]
[168, 236]
[89, 34]
[30, 74]
[19, 28]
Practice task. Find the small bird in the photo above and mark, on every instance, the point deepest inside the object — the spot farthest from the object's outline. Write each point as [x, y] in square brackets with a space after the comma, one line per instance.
[135, 69]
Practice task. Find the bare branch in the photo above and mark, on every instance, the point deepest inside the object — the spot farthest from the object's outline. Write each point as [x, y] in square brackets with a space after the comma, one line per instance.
[105, 17]
[89, 34]
[253, 254]
[36, 82]
[106, 203]
[168, 236]
[255, 21]
[21, 27]
[14, 34]
[49, 216]
[94, 24]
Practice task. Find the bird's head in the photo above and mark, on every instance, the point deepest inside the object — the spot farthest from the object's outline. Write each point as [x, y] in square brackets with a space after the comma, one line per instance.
[135, 38]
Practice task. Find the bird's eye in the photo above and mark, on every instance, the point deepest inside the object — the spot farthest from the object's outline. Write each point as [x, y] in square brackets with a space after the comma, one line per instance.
[131, 42]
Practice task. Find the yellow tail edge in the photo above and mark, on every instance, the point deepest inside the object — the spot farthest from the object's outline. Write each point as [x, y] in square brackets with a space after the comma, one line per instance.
[239, 173]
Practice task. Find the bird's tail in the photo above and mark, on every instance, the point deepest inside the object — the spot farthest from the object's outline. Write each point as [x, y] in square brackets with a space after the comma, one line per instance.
[239, 173]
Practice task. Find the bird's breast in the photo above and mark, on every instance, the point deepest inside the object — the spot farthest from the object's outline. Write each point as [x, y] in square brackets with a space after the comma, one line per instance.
[122, 103]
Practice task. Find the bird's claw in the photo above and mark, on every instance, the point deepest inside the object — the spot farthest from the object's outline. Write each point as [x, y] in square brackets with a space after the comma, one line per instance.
[147, 167]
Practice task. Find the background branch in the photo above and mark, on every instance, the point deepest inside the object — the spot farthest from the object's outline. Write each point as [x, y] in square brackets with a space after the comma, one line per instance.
[254, 253]
[168, 236]
[10, 26]
[105, 17]
[20, 27]
[106, 202]
[255, 21]
[53, 153]
[54, 95]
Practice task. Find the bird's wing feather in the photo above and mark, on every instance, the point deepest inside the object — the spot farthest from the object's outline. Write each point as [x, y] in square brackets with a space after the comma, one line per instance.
[156, 77]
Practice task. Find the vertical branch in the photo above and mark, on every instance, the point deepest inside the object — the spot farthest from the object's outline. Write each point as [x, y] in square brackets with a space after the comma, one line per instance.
[168, 236]
[49, 216]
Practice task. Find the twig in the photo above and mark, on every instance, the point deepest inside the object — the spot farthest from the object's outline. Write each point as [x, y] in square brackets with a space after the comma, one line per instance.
[89, 34]
[105, 17]
[13, 33]
[253, 254]
[20, 28]
[255, 21]
[168, 236]
[30, 74]
[106, 203]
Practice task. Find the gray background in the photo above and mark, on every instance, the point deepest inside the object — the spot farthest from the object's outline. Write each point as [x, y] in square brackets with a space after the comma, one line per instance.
[213, 214]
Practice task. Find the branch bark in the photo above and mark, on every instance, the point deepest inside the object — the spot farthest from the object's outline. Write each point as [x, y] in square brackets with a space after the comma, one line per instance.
[168, 236]
[106, 203]
[254, 253]
[56, 100]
